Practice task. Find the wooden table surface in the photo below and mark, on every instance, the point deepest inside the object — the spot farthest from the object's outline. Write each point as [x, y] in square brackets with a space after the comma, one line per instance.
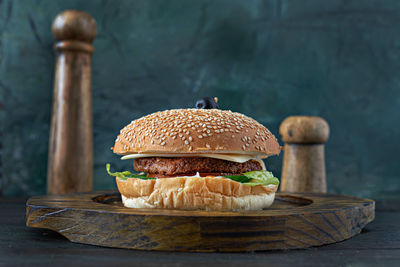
[377, 245]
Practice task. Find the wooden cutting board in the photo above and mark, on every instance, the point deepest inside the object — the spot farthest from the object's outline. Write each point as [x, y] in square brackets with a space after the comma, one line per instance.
[294, 221]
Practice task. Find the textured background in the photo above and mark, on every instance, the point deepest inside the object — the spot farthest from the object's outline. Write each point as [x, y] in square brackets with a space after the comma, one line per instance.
[268, 59]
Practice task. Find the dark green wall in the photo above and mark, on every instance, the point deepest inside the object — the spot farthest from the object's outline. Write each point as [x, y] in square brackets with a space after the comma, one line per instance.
[267, 59]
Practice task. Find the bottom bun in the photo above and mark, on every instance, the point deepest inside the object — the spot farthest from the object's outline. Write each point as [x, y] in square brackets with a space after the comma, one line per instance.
[195, 193]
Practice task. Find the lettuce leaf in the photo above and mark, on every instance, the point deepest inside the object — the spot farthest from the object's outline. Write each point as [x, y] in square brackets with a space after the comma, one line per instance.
[260, 178]
[255, 178]
[238, 178]
[126, 174]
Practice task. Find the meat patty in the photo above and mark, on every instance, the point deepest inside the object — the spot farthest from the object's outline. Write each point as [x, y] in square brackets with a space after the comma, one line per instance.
[190, 165]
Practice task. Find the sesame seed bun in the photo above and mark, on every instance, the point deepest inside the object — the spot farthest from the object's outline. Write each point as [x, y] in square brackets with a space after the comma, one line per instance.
[203, 193]
[196, 131]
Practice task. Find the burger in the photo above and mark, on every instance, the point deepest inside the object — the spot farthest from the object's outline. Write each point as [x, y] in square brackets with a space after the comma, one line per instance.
[196, 159]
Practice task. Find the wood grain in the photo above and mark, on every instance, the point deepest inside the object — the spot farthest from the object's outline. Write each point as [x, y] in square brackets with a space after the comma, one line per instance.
[70, 163]
[303, 167]
[294, 221]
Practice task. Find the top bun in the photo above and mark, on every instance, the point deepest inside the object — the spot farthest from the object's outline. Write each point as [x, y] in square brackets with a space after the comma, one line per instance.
[196, 131]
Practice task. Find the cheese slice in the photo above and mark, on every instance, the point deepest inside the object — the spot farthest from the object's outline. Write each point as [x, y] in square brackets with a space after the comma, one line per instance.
[239, 158]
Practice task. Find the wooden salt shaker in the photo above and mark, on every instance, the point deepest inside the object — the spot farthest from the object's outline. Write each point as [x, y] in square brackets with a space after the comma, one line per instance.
[70, 163]
[304, 156]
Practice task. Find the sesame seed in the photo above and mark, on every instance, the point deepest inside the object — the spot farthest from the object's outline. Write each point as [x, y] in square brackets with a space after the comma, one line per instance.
[200, 136]
[186, 142]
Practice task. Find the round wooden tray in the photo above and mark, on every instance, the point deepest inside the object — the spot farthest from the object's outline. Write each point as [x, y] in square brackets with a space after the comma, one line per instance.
[293, 221]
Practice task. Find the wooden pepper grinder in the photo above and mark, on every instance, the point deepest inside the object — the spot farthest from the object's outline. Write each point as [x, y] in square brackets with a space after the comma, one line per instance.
[304, 156]
[70, 163]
